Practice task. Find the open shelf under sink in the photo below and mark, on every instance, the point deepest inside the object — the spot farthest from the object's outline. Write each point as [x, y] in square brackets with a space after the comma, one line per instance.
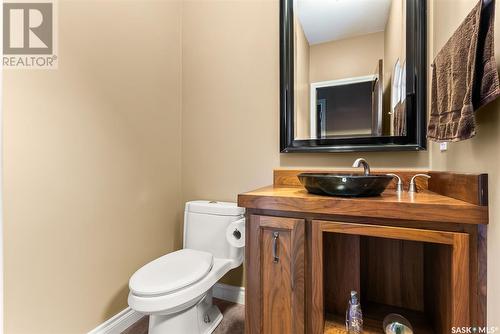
[392, 276]
[373, 317]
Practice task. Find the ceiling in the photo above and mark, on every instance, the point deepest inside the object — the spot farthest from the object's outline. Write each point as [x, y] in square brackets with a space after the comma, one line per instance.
[329, 20]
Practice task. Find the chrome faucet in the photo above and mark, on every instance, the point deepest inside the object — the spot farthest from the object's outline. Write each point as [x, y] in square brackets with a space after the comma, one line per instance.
[413, 184]
[399, 183]
[362, 162]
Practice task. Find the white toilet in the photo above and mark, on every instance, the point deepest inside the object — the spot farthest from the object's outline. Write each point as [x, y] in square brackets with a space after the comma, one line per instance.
[176, 289]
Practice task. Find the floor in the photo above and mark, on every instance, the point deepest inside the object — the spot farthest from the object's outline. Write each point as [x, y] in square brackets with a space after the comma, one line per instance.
[232, 323]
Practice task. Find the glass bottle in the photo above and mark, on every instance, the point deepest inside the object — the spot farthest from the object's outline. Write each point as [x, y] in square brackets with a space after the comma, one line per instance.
[354, 316]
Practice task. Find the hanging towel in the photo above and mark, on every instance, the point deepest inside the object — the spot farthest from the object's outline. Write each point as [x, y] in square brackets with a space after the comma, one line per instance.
[464, 77]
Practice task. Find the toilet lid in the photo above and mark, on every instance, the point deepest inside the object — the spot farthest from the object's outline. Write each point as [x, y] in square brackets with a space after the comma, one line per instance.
[171, 272]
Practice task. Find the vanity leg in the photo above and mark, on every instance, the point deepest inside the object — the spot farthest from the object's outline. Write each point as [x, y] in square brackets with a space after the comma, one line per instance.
[316, 319]
[460, 280]
[481, 259]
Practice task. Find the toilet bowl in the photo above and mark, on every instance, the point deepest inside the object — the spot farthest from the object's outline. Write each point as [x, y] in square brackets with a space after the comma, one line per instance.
[175, 290]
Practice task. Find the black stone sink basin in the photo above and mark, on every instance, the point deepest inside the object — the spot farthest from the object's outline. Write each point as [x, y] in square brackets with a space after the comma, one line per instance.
[351, 185]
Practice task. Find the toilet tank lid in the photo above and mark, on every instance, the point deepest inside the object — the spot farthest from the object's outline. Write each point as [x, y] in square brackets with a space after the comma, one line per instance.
[215, 208]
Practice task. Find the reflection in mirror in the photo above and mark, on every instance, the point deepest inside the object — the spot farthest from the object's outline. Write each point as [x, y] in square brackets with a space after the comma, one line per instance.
[350, 70]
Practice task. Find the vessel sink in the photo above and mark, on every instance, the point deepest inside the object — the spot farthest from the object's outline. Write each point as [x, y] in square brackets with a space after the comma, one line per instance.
[352, 185]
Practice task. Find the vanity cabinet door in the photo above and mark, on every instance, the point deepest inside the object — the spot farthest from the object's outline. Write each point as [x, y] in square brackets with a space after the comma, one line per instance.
[275, 275]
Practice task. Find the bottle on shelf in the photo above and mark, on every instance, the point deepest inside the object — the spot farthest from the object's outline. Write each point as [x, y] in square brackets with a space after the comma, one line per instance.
[354, 316]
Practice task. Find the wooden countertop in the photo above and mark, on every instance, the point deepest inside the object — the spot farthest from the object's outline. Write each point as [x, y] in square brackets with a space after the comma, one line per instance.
[422, 206]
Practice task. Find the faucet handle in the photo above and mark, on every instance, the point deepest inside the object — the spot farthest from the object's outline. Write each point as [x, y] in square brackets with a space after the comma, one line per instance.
[413, 185]
[399, 184]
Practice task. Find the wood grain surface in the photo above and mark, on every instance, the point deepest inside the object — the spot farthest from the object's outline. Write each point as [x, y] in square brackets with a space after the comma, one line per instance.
[393, 272]
[471, 188]
[276, 284]
[276, 304]
[341, 271]
[467, 187]
[397, 274]
[422, 255]
[422, 206]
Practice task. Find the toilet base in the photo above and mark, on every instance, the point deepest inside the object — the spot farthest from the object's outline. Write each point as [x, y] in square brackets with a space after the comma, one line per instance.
[201, 318]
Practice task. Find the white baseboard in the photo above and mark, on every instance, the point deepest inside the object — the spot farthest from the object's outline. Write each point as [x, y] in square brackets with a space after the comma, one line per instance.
[118, 323]
[230, 293]
[128, 317]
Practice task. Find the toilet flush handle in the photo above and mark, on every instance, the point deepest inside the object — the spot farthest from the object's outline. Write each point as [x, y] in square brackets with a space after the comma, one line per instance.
[237, 234]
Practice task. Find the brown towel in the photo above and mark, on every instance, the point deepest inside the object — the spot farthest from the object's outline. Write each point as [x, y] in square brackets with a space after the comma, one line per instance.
[464, 77]
[400, 119]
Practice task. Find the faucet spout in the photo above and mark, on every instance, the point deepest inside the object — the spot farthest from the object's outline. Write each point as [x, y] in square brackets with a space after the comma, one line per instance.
[362, 162]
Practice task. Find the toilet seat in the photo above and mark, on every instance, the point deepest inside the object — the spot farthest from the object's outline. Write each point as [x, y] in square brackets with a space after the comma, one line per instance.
[171, 272]
[180, 299]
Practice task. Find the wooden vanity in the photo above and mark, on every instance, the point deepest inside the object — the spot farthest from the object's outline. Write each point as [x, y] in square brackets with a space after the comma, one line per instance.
[422, 255]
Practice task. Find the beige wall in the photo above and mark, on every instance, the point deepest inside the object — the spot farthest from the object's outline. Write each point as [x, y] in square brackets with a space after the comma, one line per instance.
[230, 127]
[302, 83]
[480, 154]
[230, 99]
[394, 49]
[394, 36]
[101, 137]
[346, 58]
[92, 164]
[249, 160]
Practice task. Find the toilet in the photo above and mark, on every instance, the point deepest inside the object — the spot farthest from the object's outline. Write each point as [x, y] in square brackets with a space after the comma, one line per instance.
[175, 290]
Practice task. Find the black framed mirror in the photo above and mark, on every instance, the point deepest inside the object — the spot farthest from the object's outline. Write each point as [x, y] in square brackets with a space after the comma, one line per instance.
[352, 75]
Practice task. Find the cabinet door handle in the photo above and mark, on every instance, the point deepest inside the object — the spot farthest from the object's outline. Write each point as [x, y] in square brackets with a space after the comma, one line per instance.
[276, 235]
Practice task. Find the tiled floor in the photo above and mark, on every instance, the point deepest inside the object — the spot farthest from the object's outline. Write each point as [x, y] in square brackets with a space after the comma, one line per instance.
[232, 323]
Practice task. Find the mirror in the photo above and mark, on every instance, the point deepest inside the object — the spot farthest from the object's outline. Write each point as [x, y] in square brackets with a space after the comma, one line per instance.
[352, 75]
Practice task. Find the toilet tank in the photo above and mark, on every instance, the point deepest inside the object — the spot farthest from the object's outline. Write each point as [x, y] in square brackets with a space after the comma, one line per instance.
[205, 224]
